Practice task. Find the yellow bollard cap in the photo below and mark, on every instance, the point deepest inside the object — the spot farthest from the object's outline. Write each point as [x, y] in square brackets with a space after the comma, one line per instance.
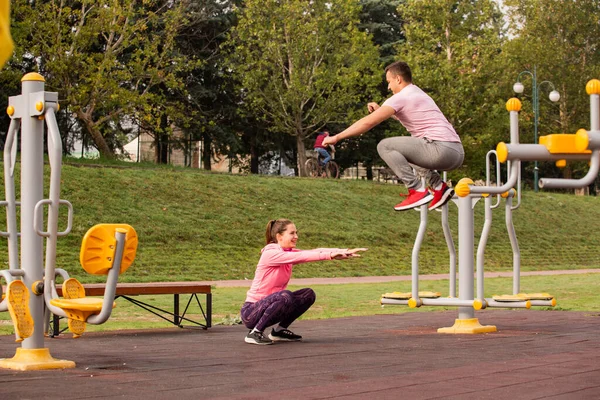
[513, 104]
[593, 87]
[33, 76]
[582, 140]
[462, 188]
[502, 152]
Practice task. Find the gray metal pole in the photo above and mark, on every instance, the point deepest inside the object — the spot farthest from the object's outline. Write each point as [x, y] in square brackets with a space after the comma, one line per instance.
[32, 184]
[466, 249]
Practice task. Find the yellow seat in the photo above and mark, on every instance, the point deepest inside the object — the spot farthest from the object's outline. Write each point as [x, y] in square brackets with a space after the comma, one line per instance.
[561, 143]
[97, 257]
[80, 309]
[98, 248]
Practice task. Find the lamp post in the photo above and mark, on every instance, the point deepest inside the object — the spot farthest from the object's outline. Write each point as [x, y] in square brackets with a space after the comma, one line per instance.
[554, 97]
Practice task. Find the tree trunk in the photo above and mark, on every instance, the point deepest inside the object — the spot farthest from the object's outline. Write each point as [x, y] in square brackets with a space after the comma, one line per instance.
[369, 172]
[95, 134]
[206, 153]
[253, 157]
[301, 155]
[161, 141]
[161, 149]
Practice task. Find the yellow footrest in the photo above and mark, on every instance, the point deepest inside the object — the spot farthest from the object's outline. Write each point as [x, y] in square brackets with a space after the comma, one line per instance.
[408, 295]
[18, 307]
[538, 296]
[523, 297]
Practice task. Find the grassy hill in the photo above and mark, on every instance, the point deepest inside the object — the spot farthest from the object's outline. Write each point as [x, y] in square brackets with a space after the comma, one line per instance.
[195, 225]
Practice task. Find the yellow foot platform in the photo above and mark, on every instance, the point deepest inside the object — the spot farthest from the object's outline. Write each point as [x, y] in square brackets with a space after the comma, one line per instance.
[18, 308]
[33, 360]
[469, 325]
[408, 295]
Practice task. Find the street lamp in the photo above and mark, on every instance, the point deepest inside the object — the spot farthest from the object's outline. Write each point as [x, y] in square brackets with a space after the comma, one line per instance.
[554, 97]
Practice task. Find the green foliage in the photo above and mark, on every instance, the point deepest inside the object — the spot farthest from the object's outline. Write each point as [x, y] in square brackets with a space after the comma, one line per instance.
[109, 61]
[302, 64]
[451, 47]
[195, 225]
[561, 40]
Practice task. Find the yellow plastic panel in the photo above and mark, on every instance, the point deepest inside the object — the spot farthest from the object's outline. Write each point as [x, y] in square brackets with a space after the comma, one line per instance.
[18, 308]
[408, 295]
[72, 289]
[34, 360]
[6, 42]
[537, 296]
[468, 326]
[511, 297]
[562, 144]
[76, 327]
[79, 309]
[99, 246]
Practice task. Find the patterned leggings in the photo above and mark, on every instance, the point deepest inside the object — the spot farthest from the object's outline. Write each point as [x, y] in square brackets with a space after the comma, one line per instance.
[282, 307]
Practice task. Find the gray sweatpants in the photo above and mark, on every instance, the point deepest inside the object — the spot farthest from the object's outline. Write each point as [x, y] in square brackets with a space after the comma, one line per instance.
[414, 158]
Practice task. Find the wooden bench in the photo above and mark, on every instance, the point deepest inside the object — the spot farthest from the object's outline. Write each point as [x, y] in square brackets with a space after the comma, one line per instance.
[127, 290]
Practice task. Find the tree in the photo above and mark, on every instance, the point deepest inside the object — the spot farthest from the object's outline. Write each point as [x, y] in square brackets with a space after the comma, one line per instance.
[562, 40]
[302, 64]
[109, 60]
[451, 47]
[380, 19]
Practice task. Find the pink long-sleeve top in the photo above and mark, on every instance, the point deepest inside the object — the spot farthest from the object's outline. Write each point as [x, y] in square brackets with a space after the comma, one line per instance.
[274, 268]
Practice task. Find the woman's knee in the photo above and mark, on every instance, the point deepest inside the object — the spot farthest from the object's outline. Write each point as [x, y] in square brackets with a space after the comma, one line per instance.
[310, 296]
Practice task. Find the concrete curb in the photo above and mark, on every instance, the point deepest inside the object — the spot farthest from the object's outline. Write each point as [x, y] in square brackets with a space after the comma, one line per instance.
[383, 279]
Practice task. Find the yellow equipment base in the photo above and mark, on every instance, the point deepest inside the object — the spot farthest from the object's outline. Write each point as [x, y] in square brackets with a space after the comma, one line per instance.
[470, 325]
[34, 360]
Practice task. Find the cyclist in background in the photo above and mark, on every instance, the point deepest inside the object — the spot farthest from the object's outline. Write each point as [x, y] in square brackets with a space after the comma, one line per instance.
[323, 149]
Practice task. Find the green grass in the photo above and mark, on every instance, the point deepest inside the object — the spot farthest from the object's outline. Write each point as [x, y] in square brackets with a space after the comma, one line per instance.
[196, 225]
[573, 293]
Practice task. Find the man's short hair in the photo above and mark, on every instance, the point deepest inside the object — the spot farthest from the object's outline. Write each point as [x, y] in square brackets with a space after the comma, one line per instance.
[400, 68]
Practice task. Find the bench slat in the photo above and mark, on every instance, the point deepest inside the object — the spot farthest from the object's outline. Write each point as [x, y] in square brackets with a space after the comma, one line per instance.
[132, 289]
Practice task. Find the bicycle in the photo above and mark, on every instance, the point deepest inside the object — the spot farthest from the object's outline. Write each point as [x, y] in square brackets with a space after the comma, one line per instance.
[314, 169]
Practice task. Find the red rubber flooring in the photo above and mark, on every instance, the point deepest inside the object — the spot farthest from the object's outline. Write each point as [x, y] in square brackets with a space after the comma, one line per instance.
[534, 355]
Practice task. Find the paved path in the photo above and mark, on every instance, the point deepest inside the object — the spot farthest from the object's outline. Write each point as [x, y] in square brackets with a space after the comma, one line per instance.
[533, 355]
[383, 279]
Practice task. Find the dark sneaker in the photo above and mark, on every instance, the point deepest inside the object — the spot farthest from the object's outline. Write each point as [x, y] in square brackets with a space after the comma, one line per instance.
[257, 338]
[414, 199]
[441, 197]
[284, 335]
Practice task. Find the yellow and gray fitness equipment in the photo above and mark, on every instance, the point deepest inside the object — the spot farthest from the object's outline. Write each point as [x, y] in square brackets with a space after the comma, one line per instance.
[584, 145]
[107, 249]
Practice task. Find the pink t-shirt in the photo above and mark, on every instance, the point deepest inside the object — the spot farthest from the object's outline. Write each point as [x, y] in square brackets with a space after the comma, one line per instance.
[274, 268]
[420, 115]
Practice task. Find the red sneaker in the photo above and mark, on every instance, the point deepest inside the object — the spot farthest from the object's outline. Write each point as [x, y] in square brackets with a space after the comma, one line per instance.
[414, 199]
[441, 197]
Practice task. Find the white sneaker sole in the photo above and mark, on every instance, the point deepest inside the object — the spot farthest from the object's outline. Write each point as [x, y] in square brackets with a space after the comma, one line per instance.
[252, 341]
[278, 339]
[424, 200]
[446, 197]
